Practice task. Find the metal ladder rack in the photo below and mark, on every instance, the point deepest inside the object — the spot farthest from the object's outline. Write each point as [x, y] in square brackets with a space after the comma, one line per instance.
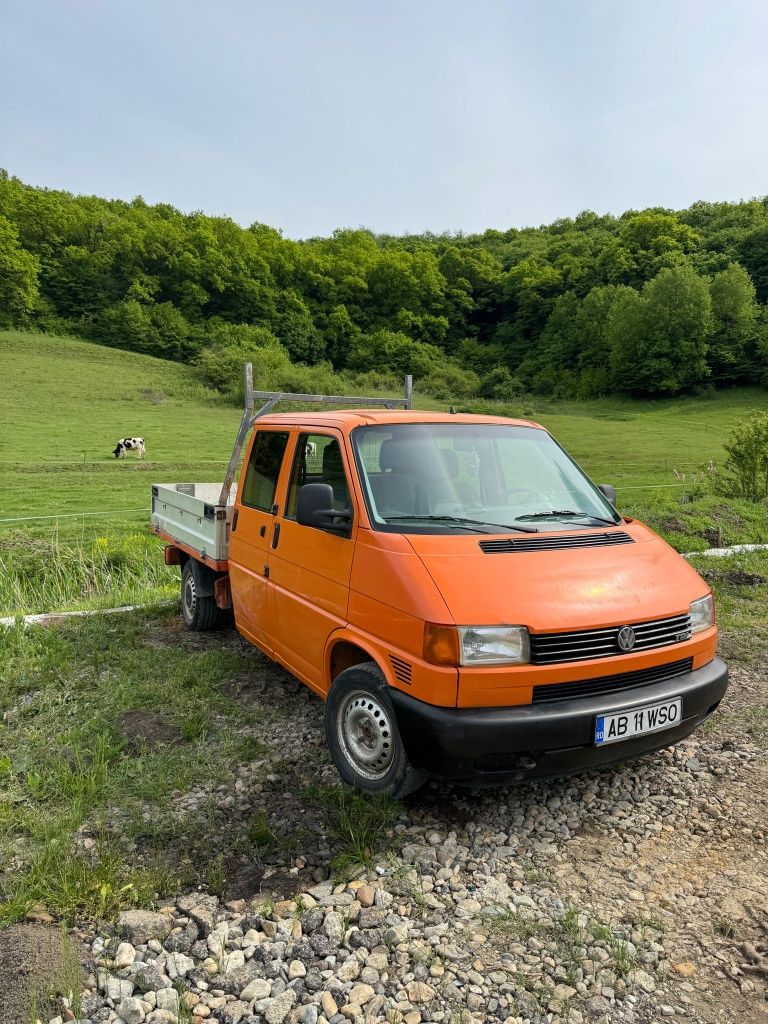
[271, 398]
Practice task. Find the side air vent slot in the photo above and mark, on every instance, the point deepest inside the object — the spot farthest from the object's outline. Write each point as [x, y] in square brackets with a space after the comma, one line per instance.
[401, 669]
[555, 542]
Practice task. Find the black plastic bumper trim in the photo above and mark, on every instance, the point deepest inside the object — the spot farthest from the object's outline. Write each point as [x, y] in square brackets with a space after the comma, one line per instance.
[491, 745]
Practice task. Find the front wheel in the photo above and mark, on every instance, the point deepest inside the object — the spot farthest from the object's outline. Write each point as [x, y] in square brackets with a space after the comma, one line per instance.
[199, 612]
[362, 734]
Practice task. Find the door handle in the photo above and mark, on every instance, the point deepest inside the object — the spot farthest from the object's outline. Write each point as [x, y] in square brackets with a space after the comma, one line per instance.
[235, 514]
[276, 535]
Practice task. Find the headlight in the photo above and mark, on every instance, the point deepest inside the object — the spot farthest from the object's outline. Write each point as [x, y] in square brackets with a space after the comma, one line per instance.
[494, 645]
[702, 614]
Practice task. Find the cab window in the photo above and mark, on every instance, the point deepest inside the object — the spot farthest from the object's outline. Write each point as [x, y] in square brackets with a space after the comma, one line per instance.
[318, 460]
[459, 475]
[266, 458]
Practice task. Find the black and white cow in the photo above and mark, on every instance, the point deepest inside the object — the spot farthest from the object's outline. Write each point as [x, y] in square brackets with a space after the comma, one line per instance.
[130, 444]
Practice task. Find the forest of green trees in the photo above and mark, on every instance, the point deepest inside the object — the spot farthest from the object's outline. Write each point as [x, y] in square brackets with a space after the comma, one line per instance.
[654, 302]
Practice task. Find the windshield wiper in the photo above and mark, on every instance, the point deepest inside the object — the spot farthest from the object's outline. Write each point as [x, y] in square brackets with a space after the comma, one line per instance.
[566, 513]
[460, 521]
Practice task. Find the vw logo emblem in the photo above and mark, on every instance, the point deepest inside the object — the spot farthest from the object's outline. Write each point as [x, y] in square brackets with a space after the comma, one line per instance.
[626, 638]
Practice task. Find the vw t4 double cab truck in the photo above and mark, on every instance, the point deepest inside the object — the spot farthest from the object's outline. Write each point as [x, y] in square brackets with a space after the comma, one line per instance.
[469, 605]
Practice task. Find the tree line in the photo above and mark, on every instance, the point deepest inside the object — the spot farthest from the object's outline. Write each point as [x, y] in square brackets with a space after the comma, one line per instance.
[652, 302]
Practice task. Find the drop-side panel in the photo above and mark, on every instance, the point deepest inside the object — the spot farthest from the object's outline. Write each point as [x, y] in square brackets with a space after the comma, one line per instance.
[190, 513]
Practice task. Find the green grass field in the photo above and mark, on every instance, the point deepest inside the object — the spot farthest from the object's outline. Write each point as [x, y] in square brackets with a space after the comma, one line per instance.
[66, 402]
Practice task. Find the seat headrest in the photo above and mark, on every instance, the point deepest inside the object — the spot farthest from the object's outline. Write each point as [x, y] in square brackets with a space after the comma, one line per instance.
[333, 464]
[391, 456]
[418, 458]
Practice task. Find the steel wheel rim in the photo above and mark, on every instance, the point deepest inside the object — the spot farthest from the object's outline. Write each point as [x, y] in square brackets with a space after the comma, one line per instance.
[189, 597]
[365, 734]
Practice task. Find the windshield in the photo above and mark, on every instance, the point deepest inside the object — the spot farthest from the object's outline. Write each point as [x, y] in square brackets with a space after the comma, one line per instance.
[479, 478]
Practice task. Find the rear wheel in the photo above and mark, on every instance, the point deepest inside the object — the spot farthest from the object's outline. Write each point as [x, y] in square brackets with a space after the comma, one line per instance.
[199, 612]
[362, 734]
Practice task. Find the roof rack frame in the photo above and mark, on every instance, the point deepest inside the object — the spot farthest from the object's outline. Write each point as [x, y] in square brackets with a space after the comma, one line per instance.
[271, 399]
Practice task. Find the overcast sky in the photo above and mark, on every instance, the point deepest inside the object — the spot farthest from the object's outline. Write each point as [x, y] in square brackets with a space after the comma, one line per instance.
[398, 115]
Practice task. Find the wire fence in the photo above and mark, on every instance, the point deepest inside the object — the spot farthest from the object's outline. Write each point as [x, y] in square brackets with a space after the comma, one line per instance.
[119, 512]
[115, 463]
[73, 515]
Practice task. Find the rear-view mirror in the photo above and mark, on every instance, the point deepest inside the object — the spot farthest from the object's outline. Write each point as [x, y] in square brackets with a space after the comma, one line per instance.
[609, 491]
[315, 508]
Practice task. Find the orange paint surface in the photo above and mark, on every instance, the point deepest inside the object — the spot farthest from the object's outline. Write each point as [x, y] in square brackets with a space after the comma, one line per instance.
[302, 593]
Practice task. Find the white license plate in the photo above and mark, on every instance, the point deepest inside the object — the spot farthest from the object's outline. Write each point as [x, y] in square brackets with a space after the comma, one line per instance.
[638, 721]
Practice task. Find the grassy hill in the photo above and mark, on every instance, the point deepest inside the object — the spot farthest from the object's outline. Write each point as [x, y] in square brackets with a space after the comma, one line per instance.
[66, 402]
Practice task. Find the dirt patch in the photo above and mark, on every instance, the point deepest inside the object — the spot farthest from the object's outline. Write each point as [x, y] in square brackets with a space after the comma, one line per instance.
[145, 729]
[734, 577]
[672, 525]
[713, 535]
[256, 684]
[36, 963]
[252, 881]
[170, 631]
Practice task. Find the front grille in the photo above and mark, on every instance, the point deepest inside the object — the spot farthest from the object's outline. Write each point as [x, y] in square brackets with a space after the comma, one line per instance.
[401, 669]
[550, 648]
[553, 542]
[611, 684]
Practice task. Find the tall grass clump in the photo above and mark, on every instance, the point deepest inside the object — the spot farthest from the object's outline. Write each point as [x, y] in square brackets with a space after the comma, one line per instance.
[358, 825]
[45, 574]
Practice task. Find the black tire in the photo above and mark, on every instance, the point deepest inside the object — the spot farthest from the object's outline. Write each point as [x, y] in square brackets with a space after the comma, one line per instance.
[198, 612]
[362, 734]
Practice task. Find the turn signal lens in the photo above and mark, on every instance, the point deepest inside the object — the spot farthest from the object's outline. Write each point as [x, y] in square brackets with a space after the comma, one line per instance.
[441, 644]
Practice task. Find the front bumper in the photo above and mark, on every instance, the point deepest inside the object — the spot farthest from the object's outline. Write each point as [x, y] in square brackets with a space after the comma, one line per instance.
[488, 746]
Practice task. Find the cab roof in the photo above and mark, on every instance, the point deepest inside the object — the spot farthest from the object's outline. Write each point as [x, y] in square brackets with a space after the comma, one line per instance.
[348, 419]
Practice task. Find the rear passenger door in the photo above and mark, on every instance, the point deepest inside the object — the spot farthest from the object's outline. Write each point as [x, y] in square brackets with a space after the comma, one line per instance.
[256, 509]
[309, 568]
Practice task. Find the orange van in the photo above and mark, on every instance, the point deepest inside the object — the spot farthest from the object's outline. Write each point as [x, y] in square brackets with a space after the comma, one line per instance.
[468, 603]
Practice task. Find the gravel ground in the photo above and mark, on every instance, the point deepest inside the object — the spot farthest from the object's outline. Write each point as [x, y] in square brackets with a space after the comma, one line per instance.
[633, 894]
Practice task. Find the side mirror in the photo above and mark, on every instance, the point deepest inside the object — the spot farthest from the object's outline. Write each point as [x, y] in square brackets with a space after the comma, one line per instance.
[315, 508]
[609, 491]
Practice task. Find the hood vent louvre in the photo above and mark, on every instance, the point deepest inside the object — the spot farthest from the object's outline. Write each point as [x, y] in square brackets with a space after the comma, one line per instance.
[553, 542]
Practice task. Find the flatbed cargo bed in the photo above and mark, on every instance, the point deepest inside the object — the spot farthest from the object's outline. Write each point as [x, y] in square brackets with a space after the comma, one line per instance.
[191, 516]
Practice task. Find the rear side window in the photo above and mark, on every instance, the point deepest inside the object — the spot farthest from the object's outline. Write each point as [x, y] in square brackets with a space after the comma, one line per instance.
[263, 469]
